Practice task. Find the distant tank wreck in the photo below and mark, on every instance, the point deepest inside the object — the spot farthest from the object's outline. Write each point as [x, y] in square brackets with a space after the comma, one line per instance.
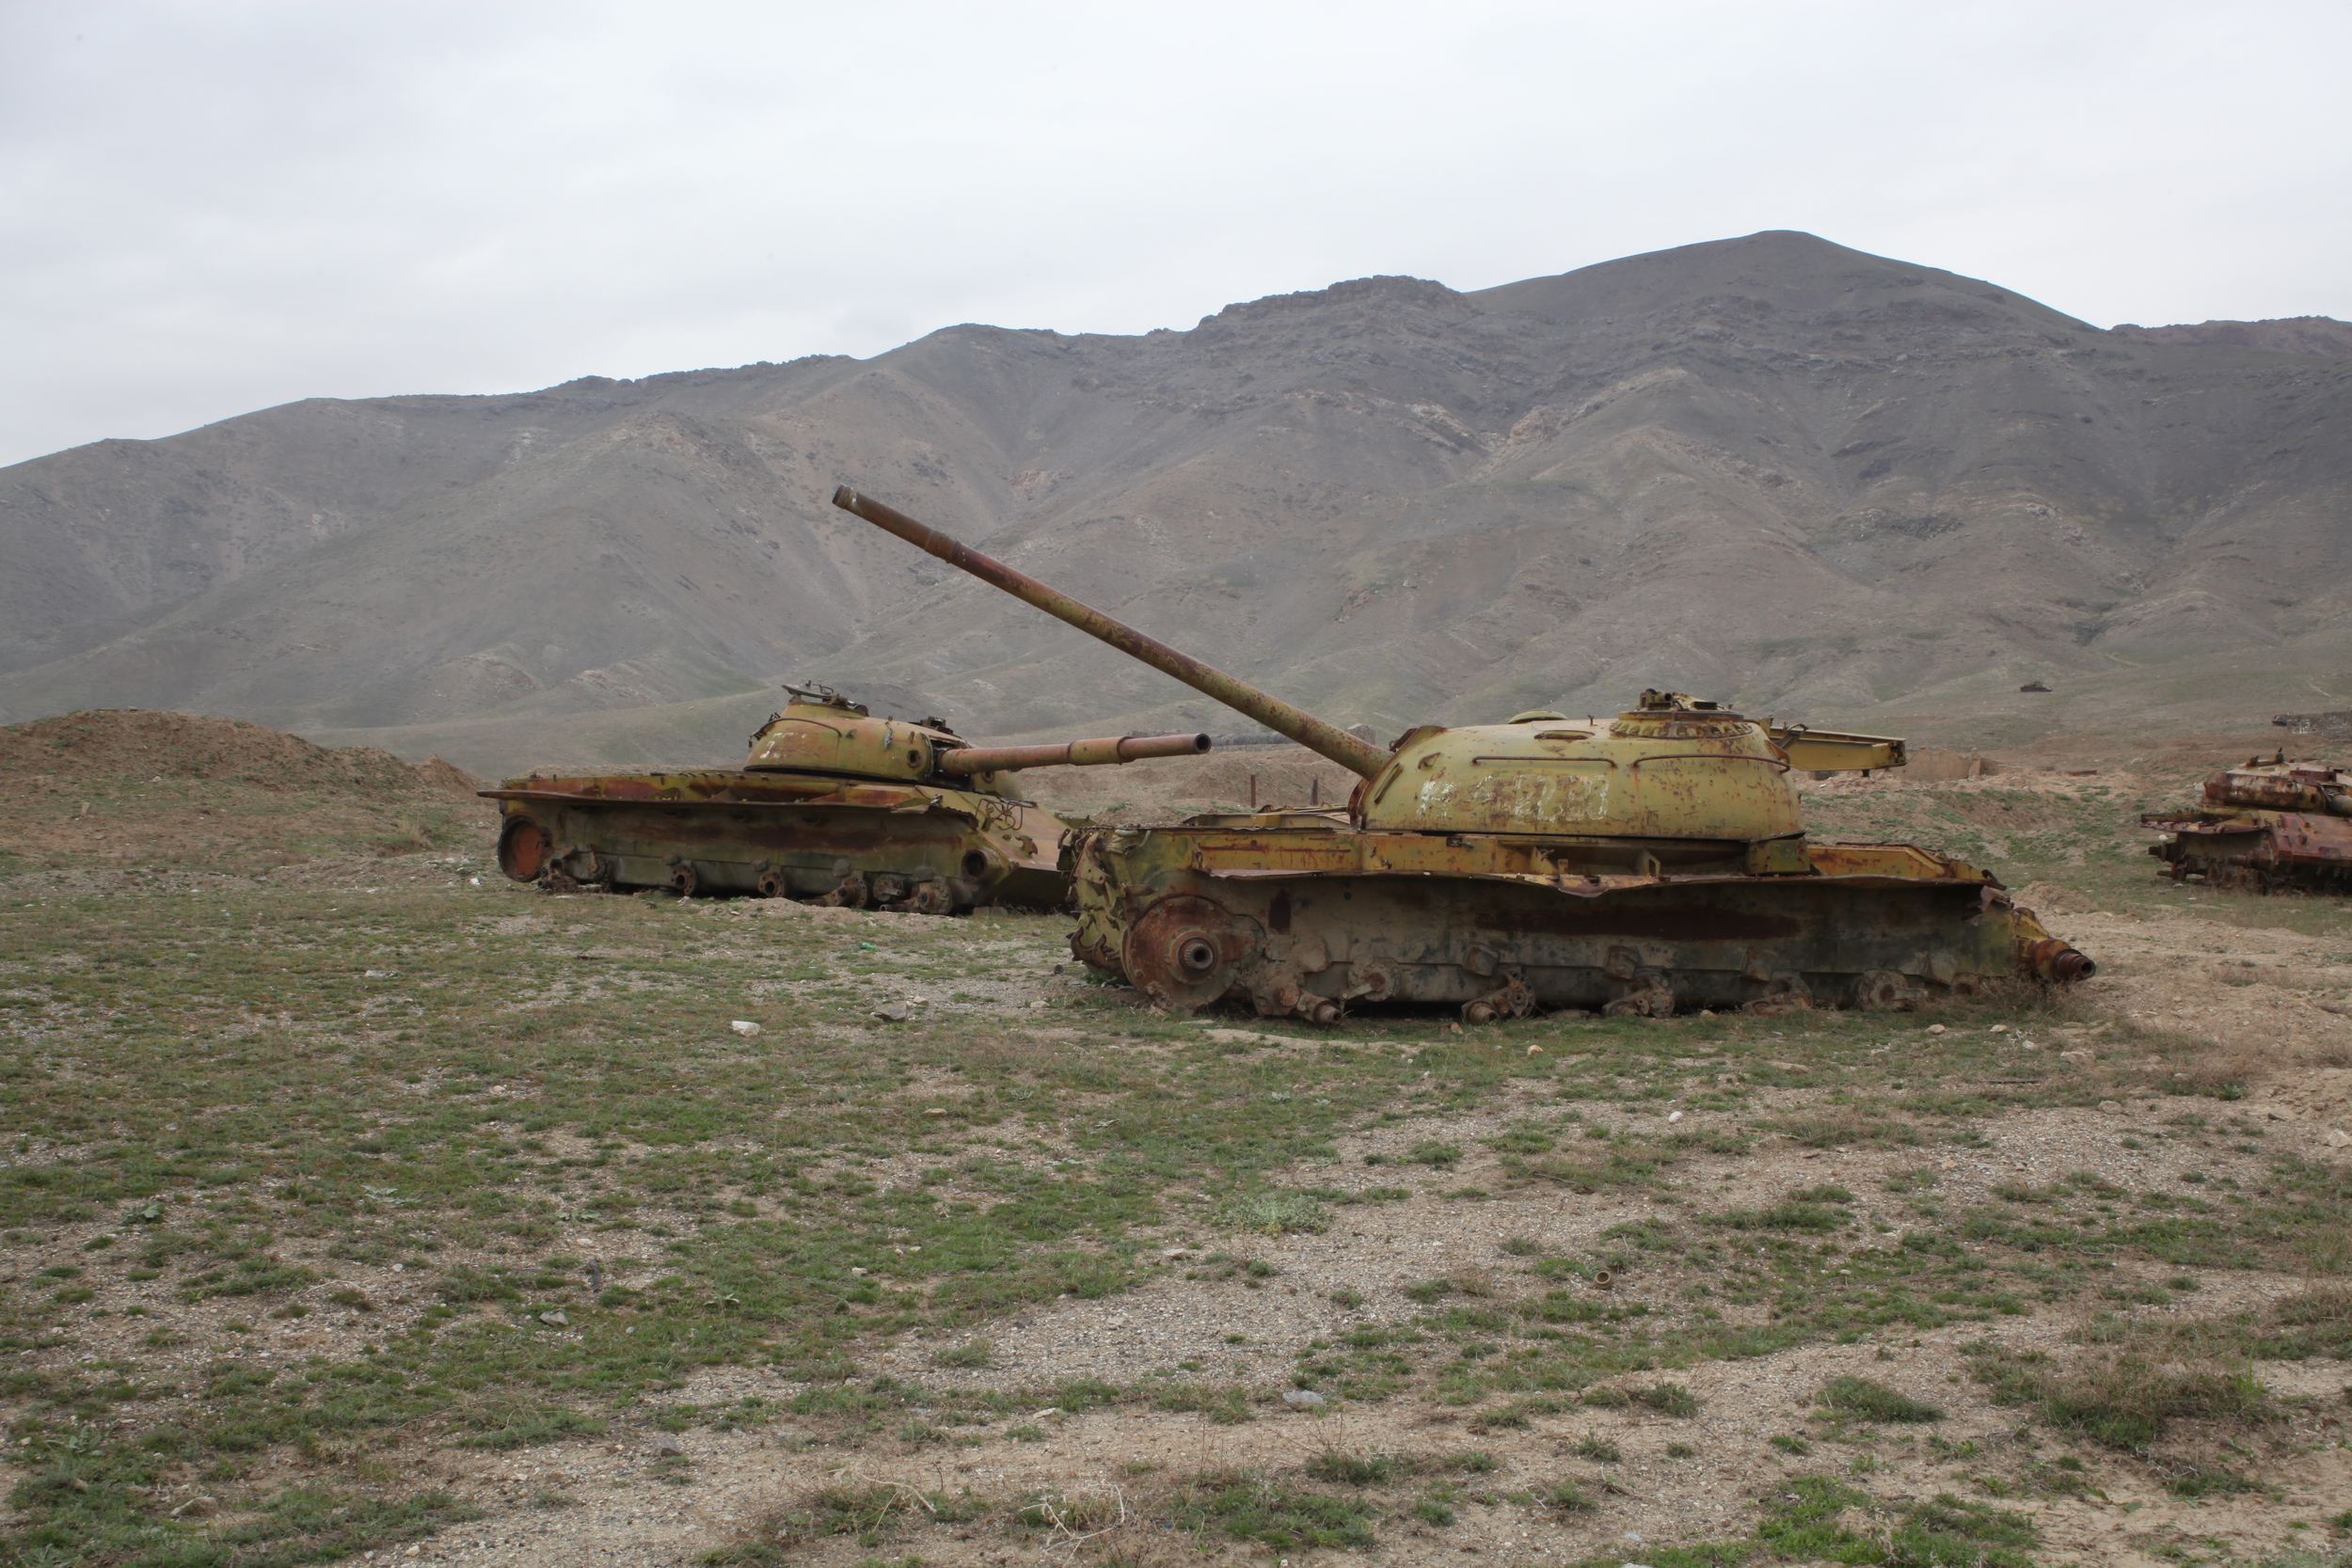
[833, 806]
[2268, 826]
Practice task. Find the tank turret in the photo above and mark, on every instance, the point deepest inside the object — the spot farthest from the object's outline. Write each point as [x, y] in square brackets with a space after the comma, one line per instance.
[820, 731]
[1673, 768]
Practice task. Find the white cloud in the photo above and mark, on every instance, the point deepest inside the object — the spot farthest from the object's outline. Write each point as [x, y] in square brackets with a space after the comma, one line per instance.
[211, 207]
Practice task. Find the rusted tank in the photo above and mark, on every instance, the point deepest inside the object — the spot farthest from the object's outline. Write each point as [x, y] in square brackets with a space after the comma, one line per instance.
[1652, 863]
[2268, 825]
[833, 806]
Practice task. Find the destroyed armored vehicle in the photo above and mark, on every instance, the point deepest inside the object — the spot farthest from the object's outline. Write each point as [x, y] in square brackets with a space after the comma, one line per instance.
[833, 806]
[1649, 864]
[2268, 825]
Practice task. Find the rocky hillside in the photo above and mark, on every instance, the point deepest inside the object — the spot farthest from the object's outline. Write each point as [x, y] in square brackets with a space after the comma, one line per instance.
[2322, 335]
[1787, 473]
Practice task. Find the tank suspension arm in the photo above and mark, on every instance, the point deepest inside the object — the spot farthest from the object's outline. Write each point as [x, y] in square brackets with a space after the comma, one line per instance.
[1830, 752]
[1070, 754]
[1328, 740]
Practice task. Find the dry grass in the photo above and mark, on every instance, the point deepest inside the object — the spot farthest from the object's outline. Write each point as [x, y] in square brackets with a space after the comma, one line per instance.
[2130, 1392]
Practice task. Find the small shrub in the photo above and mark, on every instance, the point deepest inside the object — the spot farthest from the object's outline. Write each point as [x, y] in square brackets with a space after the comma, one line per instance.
[1437, 1154]
[1789, 1443]
[2199, 1481]
[972, 1354]
[1276, 1213]
[1592, 1446]
[1669, 1398]
[1602, 1396]
[1347, 1469]
[2124, 1396]
[1784, 1216]
[1568, 1498]
[1347, 1297]
[503, 1424]
[1251, 1506]
[1875, 1401]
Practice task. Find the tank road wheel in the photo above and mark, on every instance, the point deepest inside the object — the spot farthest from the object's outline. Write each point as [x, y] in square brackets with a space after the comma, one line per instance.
[1883, 991]
[1513, 1001]
[850, 895]
[770, 884]
[1783, 993]
[522, 849]
[1184, 951]
[578, 871]
[683, 882]
[1654, 999]
[931, 898]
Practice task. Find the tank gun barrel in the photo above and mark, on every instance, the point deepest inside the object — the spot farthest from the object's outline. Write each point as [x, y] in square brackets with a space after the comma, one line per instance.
[1834, 752]
[1070, 754]
[1325, 739]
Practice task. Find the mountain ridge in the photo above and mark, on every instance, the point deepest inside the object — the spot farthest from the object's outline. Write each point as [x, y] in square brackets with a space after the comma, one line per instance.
[1772, 467]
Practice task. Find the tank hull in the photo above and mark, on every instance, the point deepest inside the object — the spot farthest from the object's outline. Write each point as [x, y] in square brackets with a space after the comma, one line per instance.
[838, 841]
[2257, 852]
[1310, 920]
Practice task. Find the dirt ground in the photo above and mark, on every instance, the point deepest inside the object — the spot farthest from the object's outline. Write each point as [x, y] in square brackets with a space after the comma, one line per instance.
[2160, 966]
[2256, 992]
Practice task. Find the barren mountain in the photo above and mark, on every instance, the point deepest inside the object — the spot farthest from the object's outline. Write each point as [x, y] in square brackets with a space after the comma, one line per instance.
[1772, 470]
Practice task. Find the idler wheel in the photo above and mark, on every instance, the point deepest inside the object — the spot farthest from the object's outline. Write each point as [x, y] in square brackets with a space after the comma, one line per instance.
[1184, 950]
[522, 848]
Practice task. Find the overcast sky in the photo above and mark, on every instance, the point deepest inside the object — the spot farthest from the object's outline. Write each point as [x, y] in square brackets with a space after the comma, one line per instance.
[210, 208]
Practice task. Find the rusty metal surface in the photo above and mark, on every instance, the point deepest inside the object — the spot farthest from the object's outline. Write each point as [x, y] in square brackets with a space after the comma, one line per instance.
[1292, 944]
[1651, 864]
[1072, 753]
[522, 848]
[1316, 939]
[1836, 751]
[2270, 825]
[927, 850]
[926, 824]
[1328, 740]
